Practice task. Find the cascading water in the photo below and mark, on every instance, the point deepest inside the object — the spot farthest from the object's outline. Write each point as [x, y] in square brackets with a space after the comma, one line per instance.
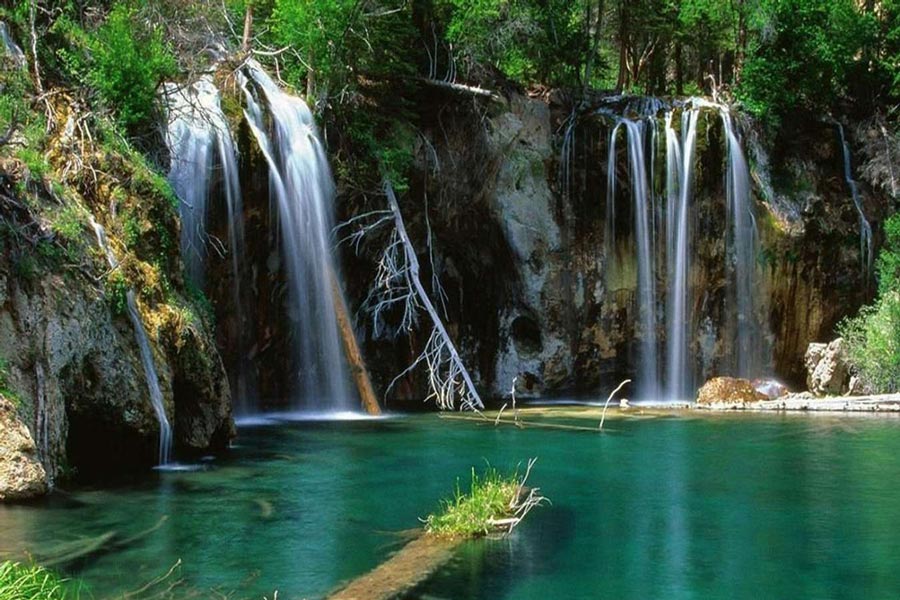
[679, 181]
[643, 229]
[204, 159]
[197, 134]
[302, 192]
[744, 248]
[140, 334]
[866, 242]
[740, 239]
[609, 236]
[10, 48]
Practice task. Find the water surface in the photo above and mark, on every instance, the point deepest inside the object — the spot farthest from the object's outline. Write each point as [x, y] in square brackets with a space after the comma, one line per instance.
[739, 507]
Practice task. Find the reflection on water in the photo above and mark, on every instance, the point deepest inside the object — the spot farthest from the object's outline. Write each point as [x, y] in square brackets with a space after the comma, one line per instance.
[750, 507]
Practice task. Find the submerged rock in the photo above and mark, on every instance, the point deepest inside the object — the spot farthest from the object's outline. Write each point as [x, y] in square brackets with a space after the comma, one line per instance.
[828, 369]
[728, 389]
[21, 474]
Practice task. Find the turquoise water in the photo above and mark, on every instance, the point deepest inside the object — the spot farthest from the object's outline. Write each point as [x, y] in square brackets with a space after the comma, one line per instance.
[799, 506]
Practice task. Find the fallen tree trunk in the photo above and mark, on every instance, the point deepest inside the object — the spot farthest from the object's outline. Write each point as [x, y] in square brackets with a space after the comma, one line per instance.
[354, 356]
[403, 571]
[463, 89]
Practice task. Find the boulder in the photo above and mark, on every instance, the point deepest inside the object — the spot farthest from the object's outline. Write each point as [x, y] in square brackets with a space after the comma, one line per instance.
[728, 389]
[827, 369]
[772, 388]
[21, 474]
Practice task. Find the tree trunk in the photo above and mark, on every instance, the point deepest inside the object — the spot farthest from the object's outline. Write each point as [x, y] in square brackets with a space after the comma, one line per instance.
[248, 27]
[595, 37]
[679, 70]
[623, 45]
[741, 50]
[354, 356]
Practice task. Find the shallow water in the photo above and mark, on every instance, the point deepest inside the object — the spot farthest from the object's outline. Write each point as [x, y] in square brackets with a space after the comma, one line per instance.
[748, 507]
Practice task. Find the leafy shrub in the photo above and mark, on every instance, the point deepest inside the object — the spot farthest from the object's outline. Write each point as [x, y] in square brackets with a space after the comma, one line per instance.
[889, 258]
[129, 60]
[873, 336]
[873, 343]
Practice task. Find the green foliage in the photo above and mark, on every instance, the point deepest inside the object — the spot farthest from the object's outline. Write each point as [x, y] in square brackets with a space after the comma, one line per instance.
[888, 263]
[395, 156]
[805, 56]
[69, 224]
[873, 343]
[31, 582]
[7, 391]
[131, 229]
[201, 302]
[117, 292]
[471, 514]
[128, 62]
[873, 336]
[527, 40]
[341, 42]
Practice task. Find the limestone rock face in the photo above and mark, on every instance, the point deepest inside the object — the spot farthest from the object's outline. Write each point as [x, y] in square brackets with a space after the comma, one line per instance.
[76, 366]
[21, 474]
[533, 349]
[828, 370]
[729, 390]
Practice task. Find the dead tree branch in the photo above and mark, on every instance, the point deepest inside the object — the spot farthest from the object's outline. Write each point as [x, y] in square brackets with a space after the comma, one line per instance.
[398, 287]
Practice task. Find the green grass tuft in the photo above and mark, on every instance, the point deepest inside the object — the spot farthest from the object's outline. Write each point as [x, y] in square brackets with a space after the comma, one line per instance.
[31, 582]
[492, 496]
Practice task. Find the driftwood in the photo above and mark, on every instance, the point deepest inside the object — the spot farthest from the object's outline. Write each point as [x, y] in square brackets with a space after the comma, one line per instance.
[520, 423]
[354, 356]
[608, 398]
[464, 89]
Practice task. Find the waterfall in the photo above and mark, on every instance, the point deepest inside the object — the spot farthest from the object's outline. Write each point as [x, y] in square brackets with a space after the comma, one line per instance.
[609, 235]
[198, 133]
[10, 48]
[302, 192]
[866, 242]
[201, 146]
[663, 243]
[140, 334]
[744, 248]
[679, 163]
[644, 229]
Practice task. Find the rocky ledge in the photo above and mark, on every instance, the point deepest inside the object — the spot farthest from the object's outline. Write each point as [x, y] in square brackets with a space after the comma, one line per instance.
[21, 474]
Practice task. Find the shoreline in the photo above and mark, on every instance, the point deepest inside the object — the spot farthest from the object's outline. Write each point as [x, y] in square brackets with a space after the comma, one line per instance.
[877, 403]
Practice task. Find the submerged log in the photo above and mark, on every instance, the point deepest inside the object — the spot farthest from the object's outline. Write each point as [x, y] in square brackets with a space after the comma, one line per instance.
[354, 356]
[403, 571]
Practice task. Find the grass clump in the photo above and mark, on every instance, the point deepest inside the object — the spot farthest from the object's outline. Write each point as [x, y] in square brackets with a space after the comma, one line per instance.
[494, 503]
[32, 582]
